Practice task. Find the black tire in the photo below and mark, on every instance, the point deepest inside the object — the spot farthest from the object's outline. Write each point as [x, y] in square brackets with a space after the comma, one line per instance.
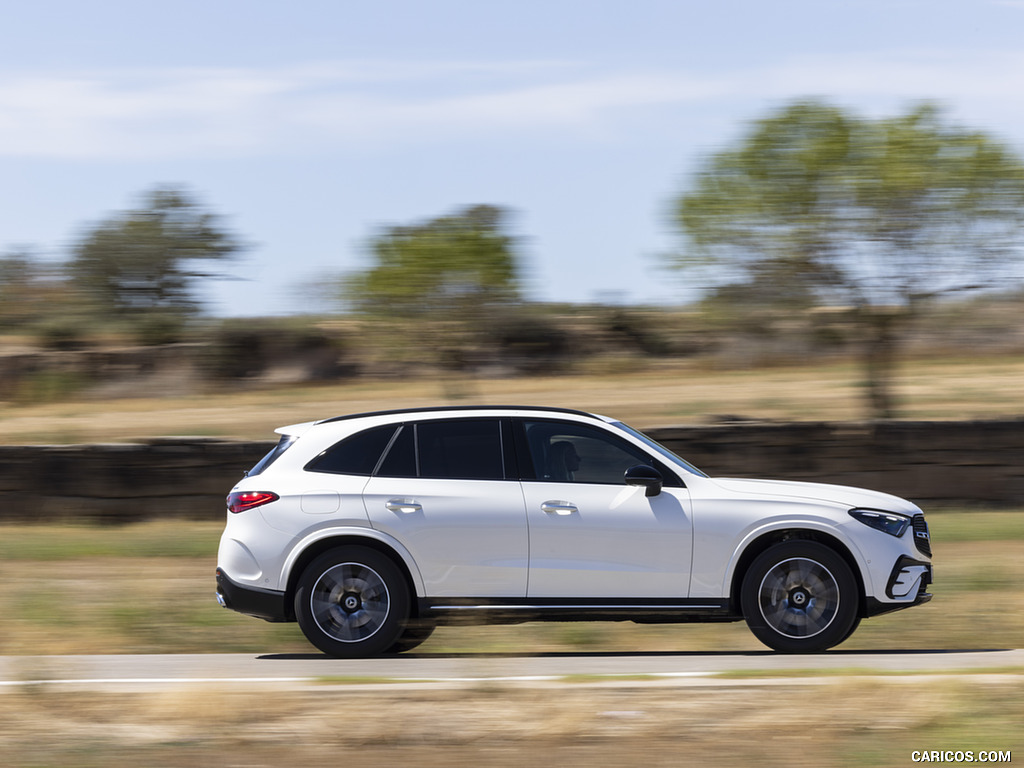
[851, 630]
[416, 632]
[800, 597]
[352, 602]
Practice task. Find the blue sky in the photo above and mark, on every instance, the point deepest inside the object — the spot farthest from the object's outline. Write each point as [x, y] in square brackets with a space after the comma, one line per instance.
[311, 125]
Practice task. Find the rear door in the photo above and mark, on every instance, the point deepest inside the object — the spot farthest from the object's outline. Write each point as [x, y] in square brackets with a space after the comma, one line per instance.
[441, 490]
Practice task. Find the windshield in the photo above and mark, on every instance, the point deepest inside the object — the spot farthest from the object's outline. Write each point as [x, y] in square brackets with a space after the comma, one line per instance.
[659, 448]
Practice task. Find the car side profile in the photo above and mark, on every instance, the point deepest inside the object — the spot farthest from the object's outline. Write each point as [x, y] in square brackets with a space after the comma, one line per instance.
[370, 530]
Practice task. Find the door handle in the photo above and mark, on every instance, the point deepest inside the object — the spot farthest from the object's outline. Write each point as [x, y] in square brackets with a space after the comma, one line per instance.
[407, 506]
[559, 507]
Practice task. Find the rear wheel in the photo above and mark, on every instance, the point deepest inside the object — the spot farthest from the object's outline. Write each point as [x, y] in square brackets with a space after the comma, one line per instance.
[800, 597]
[414, 635]
[352, 602]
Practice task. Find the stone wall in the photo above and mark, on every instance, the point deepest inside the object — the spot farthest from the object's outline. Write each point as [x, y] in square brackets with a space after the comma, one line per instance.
[979, 463]
[929, 462]
[117, 482]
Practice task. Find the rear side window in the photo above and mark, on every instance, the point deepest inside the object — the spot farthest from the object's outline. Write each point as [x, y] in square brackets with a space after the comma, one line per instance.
[355, 455]
[282, 445]
[460, 449]
[401, 458]
[466, 449]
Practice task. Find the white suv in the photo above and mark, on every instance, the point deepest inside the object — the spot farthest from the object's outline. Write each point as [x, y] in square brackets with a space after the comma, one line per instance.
[371, 529]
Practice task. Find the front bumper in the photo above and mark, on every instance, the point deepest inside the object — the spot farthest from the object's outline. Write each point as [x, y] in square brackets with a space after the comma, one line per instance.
[908, 584]
[266, 604]
[908, 577]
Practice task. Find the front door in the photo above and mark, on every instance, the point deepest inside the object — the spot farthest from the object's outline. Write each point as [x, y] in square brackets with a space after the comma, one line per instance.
[593, 536]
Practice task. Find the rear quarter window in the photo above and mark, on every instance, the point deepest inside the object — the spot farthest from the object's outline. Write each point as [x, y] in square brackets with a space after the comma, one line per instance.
[355, 455]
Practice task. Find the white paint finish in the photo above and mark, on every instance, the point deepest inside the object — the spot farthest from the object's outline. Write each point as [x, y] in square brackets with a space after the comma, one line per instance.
[468, 538]
[235, 558]
[617, 544]
[320, 502]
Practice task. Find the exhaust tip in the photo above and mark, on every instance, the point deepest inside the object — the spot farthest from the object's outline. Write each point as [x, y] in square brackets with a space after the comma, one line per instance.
[220, 600]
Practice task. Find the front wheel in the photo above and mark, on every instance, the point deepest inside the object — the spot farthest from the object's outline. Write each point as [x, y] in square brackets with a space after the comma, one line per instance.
[352, 602]
[800, 597]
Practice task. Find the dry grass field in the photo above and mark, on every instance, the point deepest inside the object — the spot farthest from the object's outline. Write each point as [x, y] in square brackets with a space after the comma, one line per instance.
[849, 721]
[655, 395]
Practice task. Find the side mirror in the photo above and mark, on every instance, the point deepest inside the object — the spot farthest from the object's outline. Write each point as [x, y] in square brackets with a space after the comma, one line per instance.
[648, 477]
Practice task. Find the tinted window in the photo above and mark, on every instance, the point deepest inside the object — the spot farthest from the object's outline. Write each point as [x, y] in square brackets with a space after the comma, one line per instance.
[567, 453]
[282, 445]
[355, 455]
[462, 449]
[469, 449]
[400, 460]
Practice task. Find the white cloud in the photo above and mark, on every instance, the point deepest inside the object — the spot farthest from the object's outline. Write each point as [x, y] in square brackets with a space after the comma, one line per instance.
[192, 112]
[186, 111]
[920, 74]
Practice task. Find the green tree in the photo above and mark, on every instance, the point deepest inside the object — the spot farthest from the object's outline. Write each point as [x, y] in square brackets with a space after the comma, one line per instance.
[876, 215]
[440, 266]
[37, 298]
[440, 279]
[20, 277]
[147, 261]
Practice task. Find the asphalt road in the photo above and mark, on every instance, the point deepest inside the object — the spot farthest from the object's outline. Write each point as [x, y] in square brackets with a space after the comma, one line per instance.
[143, 672]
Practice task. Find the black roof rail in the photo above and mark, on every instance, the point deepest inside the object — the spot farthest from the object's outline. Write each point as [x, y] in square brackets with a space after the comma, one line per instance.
[437, 408]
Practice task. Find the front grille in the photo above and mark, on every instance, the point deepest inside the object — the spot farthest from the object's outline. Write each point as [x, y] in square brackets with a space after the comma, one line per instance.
[922, 538]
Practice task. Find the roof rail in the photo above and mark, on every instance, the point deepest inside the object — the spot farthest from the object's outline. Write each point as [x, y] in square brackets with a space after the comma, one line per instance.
[437, 408]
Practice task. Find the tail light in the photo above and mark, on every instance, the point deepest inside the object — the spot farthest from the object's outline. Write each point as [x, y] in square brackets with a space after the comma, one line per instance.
[241, 501]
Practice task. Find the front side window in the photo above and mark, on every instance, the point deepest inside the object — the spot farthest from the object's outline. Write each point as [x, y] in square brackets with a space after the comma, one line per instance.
[576, 453]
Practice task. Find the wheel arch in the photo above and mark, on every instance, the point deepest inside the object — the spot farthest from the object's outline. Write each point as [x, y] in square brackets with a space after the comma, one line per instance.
[761, 543]
[314, 549]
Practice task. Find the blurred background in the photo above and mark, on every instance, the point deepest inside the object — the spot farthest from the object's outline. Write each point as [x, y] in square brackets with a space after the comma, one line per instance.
[205, 200]
[220, 218]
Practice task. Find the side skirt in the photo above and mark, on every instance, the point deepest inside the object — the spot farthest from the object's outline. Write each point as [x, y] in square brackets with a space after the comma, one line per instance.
[517, 610]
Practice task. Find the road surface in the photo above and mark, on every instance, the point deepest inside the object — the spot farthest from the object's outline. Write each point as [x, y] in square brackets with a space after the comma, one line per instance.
[141, 672]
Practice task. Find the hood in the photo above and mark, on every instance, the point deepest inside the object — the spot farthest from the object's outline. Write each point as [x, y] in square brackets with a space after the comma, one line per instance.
[836, 494]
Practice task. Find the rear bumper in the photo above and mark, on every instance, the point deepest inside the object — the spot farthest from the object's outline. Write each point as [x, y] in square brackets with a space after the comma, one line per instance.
[266, 604]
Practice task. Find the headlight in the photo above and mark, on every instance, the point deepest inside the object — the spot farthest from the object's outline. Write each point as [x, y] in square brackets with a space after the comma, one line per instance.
[887, 522]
